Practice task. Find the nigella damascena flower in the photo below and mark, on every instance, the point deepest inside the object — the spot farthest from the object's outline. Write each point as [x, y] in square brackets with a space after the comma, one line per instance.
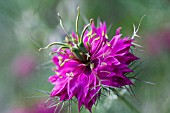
[88, 63]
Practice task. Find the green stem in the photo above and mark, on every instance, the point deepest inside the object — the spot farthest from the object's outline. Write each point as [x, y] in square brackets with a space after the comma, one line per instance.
[132, 107]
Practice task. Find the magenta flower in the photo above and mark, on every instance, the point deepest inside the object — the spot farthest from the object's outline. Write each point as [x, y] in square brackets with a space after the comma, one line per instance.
[88, 63]
[158, 42]
[35, 108]
[23, 65]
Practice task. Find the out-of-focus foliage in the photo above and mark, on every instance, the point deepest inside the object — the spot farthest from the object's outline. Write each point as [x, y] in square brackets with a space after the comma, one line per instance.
[27, 25]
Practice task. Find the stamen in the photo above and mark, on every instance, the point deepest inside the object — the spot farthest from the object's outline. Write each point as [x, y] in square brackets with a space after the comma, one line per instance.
[108, 43]
[95, 40]
[88, 56]
[103, 64]
[94, 34]
[106, 72]
[92, 66]
[57, 73]
[106, 37]
[103, 33]
[60, 59]
[67, 40]
[62, 64]
[71, 74]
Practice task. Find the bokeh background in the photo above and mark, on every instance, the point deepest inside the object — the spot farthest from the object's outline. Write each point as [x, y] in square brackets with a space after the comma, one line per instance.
[27, 25]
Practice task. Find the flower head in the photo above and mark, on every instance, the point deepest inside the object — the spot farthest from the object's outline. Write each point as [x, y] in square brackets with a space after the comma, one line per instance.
[88, 63]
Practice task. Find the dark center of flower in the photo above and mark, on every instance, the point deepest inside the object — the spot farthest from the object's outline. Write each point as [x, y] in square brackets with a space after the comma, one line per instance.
[90, 65]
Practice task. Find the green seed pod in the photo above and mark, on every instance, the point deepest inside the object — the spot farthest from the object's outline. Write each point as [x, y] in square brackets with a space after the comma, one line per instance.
[82, 48]
[77, 53]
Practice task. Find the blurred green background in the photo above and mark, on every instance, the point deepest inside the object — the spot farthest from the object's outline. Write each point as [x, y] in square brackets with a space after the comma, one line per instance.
[27, 25]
